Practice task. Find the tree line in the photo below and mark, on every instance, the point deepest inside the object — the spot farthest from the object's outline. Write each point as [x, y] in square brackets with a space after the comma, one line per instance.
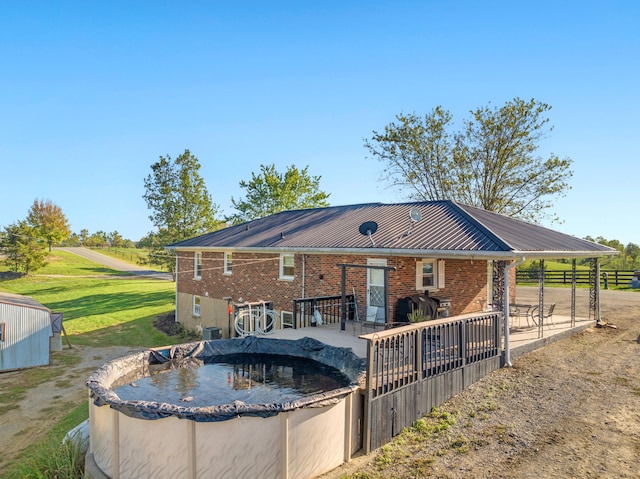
[629, 257]
[490, 162]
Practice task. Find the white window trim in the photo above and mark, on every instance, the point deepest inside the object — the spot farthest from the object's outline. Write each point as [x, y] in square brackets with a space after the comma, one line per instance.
[438, 274]
[196, 305]
[282, 275]
[197, 265]
[228, 263]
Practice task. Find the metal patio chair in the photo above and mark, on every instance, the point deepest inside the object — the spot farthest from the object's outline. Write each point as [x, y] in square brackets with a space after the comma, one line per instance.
[547, 314]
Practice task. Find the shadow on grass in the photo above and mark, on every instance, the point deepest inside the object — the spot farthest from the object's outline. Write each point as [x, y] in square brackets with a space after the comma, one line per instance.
[109, 303]
[137, 333]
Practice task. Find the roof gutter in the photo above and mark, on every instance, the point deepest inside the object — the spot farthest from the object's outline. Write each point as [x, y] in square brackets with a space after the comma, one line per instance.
[507, 346]
[444, 254]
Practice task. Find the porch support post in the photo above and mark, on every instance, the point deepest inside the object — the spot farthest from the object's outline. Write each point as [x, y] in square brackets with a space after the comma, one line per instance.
[598, 317]
[594, 284]
[507, 345]
[573, 292]
[541, 300]
[343, 314]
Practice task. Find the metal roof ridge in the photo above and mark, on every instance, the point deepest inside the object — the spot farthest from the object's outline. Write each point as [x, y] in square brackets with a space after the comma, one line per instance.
[488, 231]
[550, 230]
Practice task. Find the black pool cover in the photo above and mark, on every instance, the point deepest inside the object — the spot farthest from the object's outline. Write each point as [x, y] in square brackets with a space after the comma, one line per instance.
[131, 368]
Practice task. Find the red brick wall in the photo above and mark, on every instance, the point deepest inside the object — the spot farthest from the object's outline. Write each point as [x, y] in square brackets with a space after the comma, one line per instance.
[255, 278]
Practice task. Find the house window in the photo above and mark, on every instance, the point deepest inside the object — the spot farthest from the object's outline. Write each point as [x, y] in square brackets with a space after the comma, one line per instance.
[3, 331]
[228, 263]
[429, 274]
[287, 319]
[196, 305]
[286, 266]
[197, 265]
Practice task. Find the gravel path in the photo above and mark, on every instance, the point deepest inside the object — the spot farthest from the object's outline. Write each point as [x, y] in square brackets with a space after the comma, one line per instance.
[116, 264]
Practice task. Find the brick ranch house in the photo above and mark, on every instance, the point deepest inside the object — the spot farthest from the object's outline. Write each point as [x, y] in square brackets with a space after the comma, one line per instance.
[459, 254]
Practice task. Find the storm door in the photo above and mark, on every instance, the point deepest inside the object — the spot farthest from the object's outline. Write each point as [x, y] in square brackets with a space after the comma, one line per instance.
[375, 290]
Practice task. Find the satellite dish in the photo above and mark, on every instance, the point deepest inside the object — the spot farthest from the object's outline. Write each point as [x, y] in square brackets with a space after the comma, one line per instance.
[415, 215]
[368, 228]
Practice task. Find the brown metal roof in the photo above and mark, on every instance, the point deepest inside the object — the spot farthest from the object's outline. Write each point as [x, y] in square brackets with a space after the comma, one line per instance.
[445, 228]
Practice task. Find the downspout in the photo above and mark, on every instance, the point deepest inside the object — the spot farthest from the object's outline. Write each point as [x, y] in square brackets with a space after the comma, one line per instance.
[304, 274]
[507, 346]
[175, 314]
[599, 318]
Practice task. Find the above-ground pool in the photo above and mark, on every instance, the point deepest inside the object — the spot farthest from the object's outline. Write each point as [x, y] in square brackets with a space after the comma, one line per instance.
[251, 407]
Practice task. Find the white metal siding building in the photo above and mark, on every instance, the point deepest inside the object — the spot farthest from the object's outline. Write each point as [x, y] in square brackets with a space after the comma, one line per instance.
[25, 329]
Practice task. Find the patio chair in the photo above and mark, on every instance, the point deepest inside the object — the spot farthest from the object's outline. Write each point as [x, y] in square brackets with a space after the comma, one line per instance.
[374, 319]
[547, 314]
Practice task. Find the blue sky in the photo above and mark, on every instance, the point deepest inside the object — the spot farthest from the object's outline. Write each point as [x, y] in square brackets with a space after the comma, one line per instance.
[92, 93]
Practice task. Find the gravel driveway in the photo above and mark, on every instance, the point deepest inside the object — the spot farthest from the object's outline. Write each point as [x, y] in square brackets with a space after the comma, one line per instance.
[116, 264]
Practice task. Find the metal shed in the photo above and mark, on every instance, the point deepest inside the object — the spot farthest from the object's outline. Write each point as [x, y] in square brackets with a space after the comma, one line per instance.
[25, 329]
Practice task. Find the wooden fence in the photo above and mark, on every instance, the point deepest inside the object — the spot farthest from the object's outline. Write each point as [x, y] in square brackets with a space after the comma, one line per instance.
[607, 278]
[414, 368]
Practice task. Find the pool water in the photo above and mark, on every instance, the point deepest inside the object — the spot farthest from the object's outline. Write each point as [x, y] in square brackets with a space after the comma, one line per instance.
[249, 378]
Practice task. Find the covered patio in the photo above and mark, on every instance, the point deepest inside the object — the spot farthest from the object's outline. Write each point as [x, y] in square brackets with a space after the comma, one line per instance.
[524, 337]
[413, 368]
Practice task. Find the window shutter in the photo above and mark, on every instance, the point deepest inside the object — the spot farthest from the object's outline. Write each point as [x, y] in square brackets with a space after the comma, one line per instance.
[419, 275]
[441, 273]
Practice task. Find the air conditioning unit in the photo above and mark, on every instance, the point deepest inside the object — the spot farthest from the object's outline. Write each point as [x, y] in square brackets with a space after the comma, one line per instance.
[211, 333]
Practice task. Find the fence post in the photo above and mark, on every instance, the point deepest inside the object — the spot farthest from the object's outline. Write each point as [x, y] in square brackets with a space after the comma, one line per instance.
[463, 342]
[295, 314]
[419, 361]
[368, 398]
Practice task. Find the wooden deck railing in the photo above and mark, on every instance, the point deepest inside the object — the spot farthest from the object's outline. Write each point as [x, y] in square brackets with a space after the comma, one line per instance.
[416, 367]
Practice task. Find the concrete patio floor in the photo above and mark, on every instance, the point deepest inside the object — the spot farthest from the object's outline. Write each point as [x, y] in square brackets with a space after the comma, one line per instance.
[522, 339]
[329, 334]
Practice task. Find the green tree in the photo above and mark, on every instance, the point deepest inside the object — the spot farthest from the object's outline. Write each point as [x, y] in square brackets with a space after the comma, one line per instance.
[181, 207]
[628, 256]
[97, 240]
[491, 163]
[84, 235]
[115, 239]
[178, 198]
[155, 242]
[72, 240]
[632, 250]
[49, 222]
[271, 192]
[25, 251]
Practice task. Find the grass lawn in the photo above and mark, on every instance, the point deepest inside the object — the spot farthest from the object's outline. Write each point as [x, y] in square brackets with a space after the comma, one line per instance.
[98, 311]
[101, 308]
[103, 312]
[69, 264]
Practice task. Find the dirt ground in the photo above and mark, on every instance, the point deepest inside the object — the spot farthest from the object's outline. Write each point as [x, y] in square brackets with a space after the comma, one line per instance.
[47, 403]
[568, 410]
